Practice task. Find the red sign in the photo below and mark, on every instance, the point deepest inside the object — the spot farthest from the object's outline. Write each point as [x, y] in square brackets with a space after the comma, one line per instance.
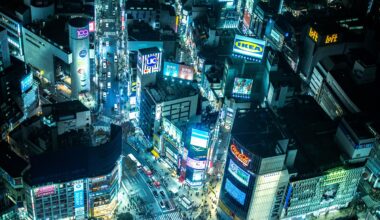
[243, 158]
[247, 19]
[91, 26]
[45, 191]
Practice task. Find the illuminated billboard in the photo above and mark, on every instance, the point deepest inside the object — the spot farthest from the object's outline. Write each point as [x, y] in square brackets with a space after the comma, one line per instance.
[82, 33]
[149, 63]
[238, 173]
[240, 155]
[234, 192]
[199, 138]
[178, 71]
[172, 130]
[171, 69]
[45, 191]
[247, 19]
[196, 164]
[78, 198]
[248, 48]
[91, 26]
[242, 87]
[26, 82]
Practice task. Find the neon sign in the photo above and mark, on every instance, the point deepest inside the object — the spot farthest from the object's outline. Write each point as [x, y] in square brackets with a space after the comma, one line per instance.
[333, 38]
[82, 33]
[313, 34]
[243, 158]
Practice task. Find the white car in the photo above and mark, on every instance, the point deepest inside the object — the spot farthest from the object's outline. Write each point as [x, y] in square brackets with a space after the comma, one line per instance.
[107, 25]
[109, 74]
[115, 58]
[107, 43]
[104, 95]
[115, 107]
[104, 65]
[109, 85]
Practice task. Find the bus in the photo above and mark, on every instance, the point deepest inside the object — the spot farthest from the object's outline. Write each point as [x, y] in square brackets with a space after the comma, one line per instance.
[185, 202]
[133, 158]
[147, 171]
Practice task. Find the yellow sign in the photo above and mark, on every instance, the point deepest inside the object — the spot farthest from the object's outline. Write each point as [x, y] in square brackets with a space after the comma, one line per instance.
[248, 46]
[332, 38]
[313, 34]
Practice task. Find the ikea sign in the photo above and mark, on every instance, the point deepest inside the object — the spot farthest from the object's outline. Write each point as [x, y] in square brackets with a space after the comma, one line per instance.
[248, 48]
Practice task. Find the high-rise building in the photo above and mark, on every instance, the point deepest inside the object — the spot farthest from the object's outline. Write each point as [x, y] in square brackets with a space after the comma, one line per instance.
[322, 176]
[255, 177]
[173, 100]
[4, 49]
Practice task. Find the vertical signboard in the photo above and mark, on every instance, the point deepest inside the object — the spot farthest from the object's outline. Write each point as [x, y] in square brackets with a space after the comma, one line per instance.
[79, 199]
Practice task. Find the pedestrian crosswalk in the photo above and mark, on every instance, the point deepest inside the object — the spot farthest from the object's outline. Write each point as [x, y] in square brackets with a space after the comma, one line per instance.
[169, 216]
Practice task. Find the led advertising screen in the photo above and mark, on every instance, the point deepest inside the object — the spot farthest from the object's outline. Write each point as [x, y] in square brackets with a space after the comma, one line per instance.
[186, 72]
[235, 192]
[26, 82]
[248, 48]
[149, 63]
[238, 173]
[198, 175]
[199, 138]
[178, 71]
[196, 164]
[45, 191]
[171, 69]
[242, 87]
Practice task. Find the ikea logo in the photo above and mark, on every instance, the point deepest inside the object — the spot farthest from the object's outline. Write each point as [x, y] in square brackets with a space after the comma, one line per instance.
[248, 46]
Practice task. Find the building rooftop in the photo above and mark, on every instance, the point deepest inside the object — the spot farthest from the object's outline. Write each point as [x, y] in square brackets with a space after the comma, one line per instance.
[62, 109]
[75, 163]
[167, 90]
[258, 131]
[137, 32]
[359, 126]
[10, 162]
[313, 132]
[342, 73]
[149, 50]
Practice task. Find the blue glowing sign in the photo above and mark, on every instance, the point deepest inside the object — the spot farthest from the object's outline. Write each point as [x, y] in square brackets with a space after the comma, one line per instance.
[235, 192]
[151, 61]
[171, 69]
[199, 138]
[26, 82]
[78, 195]
[82, 53]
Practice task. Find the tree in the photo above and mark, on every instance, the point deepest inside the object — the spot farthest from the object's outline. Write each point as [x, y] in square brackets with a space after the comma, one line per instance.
[125, 216]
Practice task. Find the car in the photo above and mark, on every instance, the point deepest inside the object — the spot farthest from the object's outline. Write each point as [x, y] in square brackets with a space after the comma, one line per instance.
[104, 65]
[167, 204]
[162, 194]
[156, 184]
[115, 58]
[115, 107]
[162, 204]
[104, 95]
[107, 42]
[155, 194]
[150, 184]
[109, 74]
[108, 85]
